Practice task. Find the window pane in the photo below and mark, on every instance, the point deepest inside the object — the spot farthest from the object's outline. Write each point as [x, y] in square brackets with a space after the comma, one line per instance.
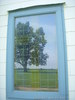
[35, 53]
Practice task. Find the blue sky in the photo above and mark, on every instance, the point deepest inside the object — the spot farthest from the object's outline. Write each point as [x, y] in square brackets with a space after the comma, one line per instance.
[48, 22]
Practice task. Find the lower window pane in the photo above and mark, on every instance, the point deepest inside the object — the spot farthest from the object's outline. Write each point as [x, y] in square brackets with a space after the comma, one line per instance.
[35, 53]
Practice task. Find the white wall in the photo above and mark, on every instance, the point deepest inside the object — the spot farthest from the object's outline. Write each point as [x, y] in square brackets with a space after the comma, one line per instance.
[69, 14]
[69, 10]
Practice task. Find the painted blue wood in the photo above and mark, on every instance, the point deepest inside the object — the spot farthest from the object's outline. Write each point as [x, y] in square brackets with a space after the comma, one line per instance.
[10, 56]
[65, 53]
[34, 95]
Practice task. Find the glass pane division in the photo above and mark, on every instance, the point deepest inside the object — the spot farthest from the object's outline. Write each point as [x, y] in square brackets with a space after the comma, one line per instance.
[35, 53]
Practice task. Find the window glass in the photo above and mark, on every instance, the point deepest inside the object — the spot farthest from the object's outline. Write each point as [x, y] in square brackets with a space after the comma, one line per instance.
[35, 53]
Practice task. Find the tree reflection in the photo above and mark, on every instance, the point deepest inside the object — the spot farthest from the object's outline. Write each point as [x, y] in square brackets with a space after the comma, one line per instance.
[29, 45]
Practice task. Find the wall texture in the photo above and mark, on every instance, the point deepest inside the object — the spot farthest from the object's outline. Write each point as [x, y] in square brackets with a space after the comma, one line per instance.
[69, 17]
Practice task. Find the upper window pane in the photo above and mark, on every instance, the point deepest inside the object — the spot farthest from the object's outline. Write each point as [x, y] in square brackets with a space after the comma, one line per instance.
[35, 53]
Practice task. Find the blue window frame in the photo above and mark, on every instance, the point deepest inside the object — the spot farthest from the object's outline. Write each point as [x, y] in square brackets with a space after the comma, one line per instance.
[13, 94]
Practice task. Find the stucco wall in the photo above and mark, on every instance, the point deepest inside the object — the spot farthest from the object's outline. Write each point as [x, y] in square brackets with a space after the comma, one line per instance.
[69, 17]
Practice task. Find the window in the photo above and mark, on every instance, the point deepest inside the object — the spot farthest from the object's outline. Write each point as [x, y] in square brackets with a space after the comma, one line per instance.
[35, 54]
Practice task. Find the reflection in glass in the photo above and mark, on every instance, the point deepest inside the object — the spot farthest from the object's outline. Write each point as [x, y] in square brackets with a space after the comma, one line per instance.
[35, 53]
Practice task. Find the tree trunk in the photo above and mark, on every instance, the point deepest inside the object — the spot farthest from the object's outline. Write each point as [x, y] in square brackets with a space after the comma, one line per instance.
[25, 67]
[25, 59]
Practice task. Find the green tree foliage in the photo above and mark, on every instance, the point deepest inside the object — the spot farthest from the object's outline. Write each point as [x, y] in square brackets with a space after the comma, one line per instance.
[29, 45]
